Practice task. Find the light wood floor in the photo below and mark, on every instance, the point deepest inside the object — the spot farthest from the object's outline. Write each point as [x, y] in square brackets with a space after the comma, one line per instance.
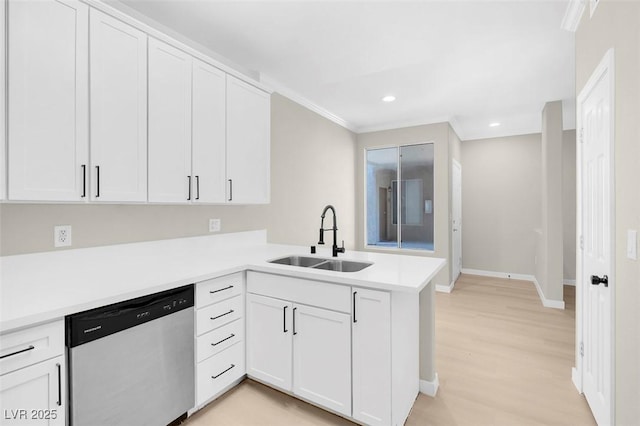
[502, 359]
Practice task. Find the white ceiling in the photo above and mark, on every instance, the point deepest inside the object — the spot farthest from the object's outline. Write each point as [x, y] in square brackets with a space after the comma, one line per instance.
[467, 62]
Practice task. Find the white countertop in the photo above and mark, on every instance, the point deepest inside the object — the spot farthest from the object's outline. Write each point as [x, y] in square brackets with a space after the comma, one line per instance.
[41, 287]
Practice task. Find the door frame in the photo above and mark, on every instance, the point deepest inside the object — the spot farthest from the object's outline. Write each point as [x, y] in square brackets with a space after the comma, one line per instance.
[606, 66]
[455, 163]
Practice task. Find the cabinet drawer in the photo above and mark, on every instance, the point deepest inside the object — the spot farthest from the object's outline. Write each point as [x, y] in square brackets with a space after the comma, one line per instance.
[29, 346]
[315, 293]
[219, 371]
[217, 289]
[221, 313]
[219, 339]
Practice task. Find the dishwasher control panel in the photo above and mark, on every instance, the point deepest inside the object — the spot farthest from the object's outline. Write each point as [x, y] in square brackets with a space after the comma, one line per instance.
[93, 324]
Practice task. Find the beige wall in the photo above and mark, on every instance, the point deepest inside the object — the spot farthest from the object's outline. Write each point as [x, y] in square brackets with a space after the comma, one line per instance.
[312, 164]
[439, 135]
[501, 198]
[549, 242]
[501, 203]
[616, 24]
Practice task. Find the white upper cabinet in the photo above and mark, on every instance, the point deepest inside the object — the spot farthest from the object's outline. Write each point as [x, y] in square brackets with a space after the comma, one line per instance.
[118, 64]
[47, 99]
[3, 97]
[208, 137]
[169, 124]
[248, 143]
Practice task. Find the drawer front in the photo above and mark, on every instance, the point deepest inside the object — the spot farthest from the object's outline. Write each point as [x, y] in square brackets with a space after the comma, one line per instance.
[219, 314]
[217, 289]
[32, 345]
[315, 293]
[219, 371]
[219, 339]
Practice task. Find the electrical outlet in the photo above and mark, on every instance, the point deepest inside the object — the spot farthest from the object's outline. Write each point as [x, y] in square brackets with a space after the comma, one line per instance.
[62, 236]
[214, 225]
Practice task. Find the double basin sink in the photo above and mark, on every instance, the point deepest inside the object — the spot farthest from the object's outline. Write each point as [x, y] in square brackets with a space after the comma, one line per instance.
[320, 263]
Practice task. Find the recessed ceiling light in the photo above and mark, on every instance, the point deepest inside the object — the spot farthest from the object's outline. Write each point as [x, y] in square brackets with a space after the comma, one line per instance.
[496, 124]
[389, 98]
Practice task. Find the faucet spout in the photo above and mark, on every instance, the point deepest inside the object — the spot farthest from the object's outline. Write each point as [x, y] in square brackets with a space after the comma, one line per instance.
[334, 249]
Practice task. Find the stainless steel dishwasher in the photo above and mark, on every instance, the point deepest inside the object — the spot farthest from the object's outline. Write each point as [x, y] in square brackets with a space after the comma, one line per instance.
[132, 363]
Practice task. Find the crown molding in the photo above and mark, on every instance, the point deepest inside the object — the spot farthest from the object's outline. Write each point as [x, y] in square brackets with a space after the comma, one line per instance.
[299, 99]
[572, 15]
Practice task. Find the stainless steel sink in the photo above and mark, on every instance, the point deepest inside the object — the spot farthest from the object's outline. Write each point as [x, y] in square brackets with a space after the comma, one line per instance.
[319, 263]
[298, 261]
[342, 265]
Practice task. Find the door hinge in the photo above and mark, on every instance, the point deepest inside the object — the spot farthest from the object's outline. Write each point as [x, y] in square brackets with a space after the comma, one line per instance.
[581, 349]
[581, 243]
[582, 135]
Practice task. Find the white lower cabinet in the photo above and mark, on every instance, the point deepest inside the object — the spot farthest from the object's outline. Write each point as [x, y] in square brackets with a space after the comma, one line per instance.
[32, 380]
[220, 351]
[301, 349]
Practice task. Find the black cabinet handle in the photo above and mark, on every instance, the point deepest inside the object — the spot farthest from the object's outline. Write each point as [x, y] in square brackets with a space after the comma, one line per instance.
[59, 402]
[84, 181]
[221, 315]
[223, 340]
[284, 319]
[294, 321]
[221, 373]
[97, 181]
[30, 348]
[354, 306]
[222, 289]
[197, 187]
[189, 180]
[230, 189]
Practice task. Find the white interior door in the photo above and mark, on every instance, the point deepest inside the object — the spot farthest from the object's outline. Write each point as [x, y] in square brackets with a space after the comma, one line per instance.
[596, 133]
[456, 223]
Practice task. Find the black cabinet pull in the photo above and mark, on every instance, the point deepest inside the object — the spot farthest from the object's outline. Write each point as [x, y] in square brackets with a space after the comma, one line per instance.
[222, 289]
[189, 180]
[221, 315]
[84, 181]
[221, 373]
[294, 321]
[197, 187]
[284, 319]
[97, 181]
[59, 402]
[230, 189]
[223, 340]
[31, 347]
[354, 306]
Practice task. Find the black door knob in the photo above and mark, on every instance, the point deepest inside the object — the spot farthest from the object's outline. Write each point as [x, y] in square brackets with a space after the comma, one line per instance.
[595, 280]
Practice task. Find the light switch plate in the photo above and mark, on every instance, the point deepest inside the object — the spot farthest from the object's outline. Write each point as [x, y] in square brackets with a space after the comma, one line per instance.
[62, 236]
[214, 225]
[632, 244]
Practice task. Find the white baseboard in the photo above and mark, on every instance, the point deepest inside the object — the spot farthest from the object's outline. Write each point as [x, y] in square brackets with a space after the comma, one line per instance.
[496, 274]
[430, 388]
[547, 303]
[576, 379]
[445, 288]
[569, 282]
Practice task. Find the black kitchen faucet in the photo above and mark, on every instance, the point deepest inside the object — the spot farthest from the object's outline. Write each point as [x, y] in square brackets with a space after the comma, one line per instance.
[334, 249]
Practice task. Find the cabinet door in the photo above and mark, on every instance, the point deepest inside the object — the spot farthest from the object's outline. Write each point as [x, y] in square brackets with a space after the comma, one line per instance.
[269, 331]
[248, 139]
[34, 395]
[322, 357]
[118, 110]
[47, 110]
[169, 123]
[209, 139]
[371, 329]
[3, 141]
